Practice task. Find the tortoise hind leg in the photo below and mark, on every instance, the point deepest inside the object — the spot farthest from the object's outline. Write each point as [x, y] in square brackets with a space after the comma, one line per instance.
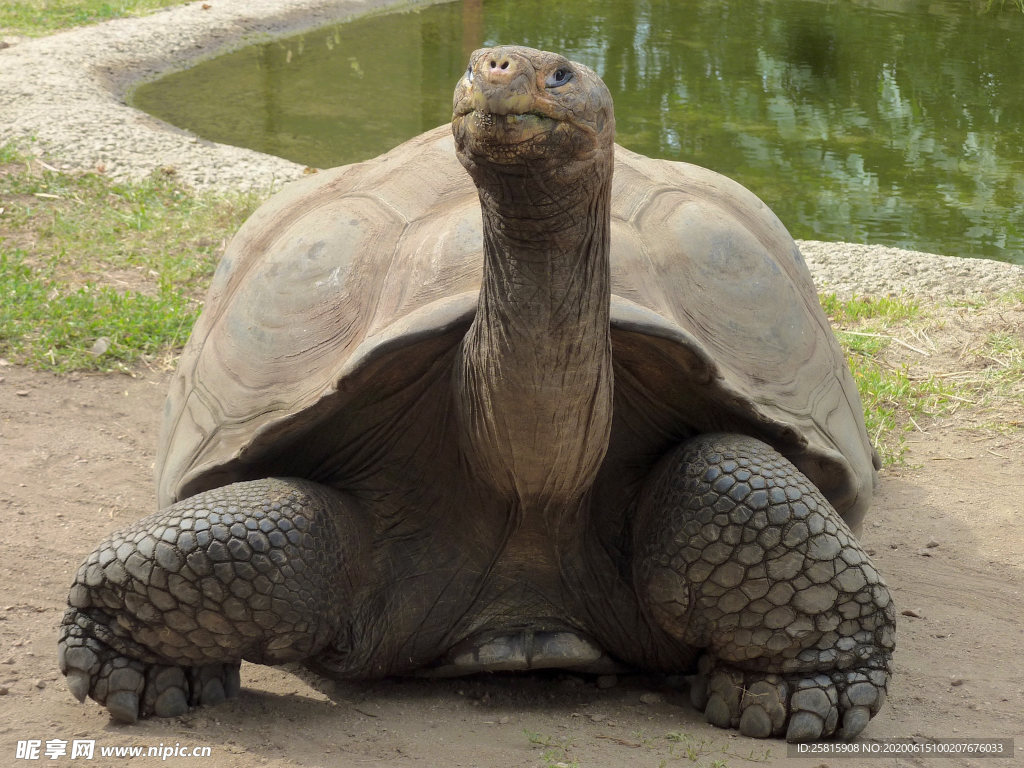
[162, 613]
[738, 554]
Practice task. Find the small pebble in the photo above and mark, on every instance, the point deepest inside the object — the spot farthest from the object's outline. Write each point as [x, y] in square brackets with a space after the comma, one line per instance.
[607, 681]
[22, 393]
[912, 613]
[504, 720]
[597, 718]
[4, 690]
[924, 553]
[651, 698]
[9, 660]
[40, 684]
[956, 681]
[932, 543]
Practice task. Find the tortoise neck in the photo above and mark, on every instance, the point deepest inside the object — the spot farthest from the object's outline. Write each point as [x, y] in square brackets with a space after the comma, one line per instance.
[535, 376]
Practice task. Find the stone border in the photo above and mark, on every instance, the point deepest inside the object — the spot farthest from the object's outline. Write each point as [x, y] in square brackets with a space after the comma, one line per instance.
[848, 269]
[67, 92]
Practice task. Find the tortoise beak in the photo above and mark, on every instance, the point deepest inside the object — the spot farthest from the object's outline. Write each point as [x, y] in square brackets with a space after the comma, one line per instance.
[497, 102]
[484, 132]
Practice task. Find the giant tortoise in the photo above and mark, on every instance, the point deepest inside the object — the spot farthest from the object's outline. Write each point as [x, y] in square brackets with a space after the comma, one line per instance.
[603, 424]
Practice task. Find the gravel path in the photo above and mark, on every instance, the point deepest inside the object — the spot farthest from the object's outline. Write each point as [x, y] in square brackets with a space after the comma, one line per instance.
[67, 91]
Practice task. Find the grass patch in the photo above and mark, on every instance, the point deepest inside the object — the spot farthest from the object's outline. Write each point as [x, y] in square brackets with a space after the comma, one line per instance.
[42, 17]
[860, 308]
[557, 752]
[685, 746]
[1000, 365]
[894, 400]
[96, 274]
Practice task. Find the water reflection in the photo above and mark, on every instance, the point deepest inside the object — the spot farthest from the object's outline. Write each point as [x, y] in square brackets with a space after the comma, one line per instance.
[895, 122]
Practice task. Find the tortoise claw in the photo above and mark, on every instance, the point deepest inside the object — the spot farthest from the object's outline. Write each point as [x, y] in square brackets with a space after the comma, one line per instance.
[78, 683]
[803, 708]
[124, 706]
[804, 726]
[131, 689]
[854, 721]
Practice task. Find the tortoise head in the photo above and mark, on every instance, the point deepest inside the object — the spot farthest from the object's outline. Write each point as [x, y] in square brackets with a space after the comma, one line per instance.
[518, 106]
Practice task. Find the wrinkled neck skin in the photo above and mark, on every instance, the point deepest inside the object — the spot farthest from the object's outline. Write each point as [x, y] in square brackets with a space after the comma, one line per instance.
[533, 381]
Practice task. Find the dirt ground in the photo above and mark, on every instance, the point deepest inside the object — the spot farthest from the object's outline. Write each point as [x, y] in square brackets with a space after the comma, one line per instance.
[76, 460]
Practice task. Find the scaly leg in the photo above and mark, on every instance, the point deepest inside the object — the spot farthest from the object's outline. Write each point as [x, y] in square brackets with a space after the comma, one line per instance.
[737, 553]
[162, 613]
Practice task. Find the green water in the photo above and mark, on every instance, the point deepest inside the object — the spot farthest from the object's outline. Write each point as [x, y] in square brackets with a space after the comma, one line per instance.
[896, 122]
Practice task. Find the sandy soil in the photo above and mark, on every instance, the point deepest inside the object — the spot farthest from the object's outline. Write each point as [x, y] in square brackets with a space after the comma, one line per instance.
[76, 458]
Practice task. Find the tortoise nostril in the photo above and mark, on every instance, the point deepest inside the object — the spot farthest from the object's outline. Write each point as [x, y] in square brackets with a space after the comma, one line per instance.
[501, 67]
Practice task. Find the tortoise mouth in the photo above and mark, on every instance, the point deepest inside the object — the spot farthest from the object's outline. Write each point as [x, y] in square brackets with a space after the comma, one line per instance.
[484, 132]
[485, 120]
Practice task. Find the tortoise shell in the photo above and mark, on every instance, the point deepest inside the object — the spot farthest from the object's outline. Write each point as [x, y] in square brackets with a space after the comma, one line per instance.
[364, 276]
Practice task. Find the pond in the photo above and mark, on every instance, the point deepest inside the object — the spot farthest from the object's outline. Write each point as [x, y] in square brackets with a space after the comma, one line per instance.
[895, 122]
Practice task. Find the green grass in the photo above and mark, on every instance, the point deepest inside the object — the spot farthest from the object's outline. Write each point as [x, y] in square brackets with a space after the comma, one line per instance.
[987, 373]
[1001, 356]
[130, 324]
[558, 752]
[894, 401]
[43, 17]
[84, 258]
[860, 308]
[686, 747]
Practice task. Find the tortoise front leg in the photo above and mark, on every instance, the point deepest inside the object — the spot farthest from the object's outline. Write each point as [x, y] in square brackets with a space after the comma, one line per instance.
[737, 553]
[162, 613]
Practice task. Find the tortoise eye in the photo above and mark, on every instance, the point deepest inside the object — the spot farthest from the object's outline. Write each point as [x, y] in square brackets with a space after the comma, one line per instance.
[469, 73]
[559, 77]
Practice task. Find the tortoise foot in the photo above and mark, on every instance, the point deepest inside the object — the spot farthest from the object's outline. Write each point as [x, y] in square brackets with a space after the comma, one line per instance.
[131, 689]
[741, 556]
[802, 708]
[162, 614]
